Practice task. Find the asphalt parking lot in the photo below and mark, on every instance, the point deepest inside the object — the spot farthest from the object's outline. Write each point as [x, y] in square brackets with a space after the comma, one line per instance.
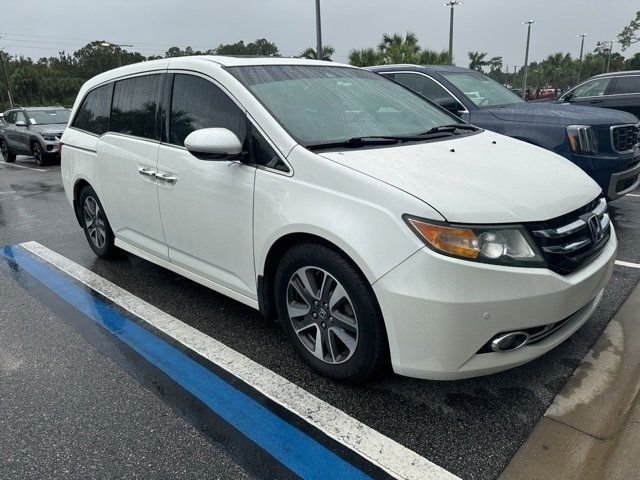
[78, 403]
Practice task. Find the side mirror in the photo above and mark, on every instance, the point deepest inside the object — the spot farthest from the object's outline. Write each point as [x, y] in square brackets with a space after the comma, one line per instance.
[449, 104]
[213, 144]
[20, 123]
[566, 97]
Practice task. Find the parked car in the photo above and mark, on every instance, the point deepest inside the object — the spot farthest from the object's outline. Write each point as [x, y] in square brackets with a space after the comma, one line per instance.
[373, 223]
[33, 131]
[604, 143]
[619, 90]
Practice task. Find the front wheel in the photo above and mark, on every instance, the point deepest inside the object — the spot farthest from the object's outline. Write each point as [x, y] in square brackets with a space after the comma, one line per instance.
[38, 154]
[96, 225]
[7, 156]
[330, 313]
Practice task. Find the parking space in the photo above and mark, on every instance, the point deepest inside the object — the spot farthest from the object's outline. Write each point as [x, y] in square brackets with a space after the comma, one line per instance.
[470, 428]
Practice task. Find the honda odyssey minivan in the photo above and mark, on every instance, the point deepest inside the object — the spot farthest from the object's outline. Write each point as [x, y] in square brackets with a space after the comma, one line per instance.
[372, 223]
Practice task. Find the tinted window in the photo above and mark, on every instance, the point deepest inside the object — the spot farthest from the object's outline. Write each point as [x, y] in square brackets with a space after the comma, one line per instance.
[93, 114]
[263, 154]
[197, 103]
[10, 117]
[425, 86]
[594, 88]
[483, 91]
[630, 84]
[324, 104]
[135, 102]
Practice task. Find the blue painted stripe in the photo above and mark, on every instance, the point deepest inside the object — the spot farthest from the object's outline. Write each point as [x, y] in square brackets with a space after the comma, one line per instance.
[293, 448]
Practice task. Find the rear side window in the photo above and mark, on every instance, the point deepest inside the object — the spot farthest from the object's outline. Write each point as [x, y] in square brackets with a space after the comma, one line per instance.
[624, 85]
[93, 114]
[135, 104]
[197, 103]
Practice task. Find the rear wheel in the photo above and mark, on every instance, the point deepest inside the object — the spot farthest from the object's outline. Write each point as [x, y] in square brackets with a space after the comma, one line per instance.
[38, 153]
[96, 225]
[7, 155]
[330, 313]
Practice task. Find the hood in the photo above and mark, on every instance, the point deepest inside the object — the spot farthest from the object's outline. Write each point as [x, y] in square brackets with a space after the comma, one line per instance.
[55, 128]
[561, 114]
[484, 178]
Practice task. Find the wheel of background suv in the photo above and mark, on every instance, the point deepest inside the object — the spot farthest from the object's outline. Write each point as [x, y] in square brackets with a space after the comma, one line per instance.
[330, 313]
[7, 156]
[38, 153]
[95, 224]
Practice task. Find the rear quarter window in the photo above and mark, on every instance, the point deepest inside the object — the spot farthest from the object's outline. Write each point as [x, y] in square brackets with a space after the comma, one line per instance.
[93, 114]
[135, 104]
[626, 85]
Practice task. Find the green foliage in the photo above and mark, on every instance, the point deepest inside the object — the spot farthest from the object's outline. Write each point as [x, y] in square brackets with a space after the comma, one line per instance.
[632, 63]
[364, 57]
[399, 49]
[310, 53]
[478, 60]
[433, 57]
[631, 33]
[261, 47]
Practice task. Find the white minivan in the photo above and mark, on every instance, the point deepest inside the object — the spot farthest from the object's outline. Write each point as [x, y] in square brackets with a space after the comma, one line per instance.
[375, 225]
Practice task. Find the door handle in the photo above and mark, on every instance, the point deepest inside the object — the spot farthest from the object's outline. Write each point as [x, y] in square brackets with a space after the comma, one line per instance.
[170, 179]
[147, 172]
[596, 101]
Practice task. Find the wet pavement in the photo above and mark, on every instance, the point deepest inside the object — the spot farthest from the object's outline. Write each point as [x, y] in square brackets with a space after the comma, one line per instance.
[470, 427]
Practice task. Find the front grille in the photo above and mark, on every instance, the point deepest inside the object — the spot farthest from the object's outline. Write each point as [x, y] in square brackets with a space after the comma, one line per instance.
[625, 137]
[573, 240]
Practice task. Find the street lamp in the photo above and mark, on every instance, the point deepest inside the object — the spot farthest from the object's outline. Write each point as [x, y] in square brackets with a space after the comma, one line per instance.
[119, 45]
[582, 36]
[451, 3]
[608, 63]
[6, 77]
[318, 32]
[526, 57]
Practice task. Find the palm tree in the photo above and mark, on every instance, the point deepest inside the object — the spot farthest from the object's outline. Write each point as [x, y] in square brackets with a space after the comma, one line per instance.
[398, 49]
[433, 57]
[364, 57]
[477, 60]
[559, 68]
[327, 52]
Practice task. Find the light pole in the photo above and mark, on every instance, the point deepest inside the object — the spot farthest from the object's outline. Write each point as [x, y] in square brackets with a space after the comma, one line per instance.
[118, 46]
[451, 3]
[526, 57]
[318, 32]
[6, 78]
[582, 36]
[610, 42]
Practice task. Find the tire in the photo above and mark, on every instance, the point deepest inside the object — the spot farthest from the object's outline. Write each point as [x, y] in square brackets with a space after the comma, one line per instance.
[353, 344]
[38, 154]
[101, 238]
[7, 155]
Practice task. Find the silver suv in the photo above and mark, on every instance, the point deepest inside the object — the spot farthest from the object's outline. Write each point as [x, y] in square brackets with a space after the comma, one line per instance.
[33, 131]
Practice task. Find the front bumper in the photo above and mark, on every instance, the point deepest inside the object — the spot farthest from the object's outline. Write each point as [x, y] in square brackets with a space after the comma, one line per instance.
[617, 174]
[624, 182]
[51, 148]
[440, 311]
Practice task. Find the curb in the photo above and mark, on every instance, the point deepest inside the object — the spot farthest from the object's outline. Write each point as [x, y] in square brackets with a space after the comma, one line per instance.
[592, 428]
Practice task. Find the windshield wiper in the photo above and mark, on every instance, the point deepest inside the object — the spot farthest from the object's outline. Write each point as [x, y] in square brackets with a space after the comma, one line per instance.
[450, 128]
[356, 142]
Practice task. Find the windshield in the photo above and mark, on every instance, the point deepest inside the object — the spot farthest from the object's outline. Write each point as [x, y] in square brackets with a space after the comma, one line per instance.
[48, 117]
[321, 105]
[482, 90]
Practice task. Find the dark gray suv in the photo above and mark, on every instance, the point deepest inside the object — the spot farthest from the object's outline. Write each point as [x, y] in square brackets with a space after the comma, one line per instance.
[33, 131]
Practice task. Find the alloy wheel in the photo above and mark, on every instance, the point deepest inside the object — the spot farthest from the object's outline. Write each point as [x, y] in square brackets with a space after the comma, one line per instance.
[37, 153]
[322, 315]
[94, 222]
[5, 151]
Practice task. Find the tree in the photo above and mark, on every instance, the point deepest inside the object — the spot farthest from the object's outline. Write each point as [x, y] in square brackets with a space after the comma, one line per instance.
[495, 64]
[310, 53]
[364, 57]
[477, 60]
[398, 49]
[631, 33]
[261, 48]
[632, 63]
[433, 57]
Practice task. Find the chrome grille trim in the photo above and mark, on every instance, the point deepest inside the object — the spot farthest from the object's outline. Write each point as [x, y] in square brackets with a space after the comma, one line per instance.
[572, 227]
[625, 138]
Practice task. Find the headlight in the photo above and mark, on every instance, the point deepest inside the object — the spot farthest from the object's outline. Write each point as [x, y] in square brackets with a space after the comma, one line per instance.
[582, 139]
[503, 245]
[49, 137]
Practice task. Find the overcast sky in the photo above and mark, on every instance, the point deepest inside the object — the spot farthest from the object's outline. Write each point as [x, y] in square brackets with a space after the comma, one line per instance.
[492, 26]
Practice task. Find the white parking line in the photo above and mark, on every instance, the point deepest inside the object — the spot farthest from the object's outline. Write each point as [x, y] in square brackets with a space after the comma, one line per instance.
[395, 459]
[627, 264]
[22, 166]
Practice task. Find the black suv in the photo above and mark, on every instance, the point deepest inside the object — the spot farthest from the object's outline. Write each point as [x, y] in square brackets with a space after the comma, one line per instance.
[33, 131]
[620, 90]
[604, 143]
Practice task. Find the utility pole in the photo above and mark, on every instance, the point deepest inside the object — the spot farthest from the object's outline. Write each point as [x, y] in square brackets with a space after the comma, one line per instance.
[451, 4]
[582, 36]
[609, 55]
[6, 78]
[318, 32]
[526, 57]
